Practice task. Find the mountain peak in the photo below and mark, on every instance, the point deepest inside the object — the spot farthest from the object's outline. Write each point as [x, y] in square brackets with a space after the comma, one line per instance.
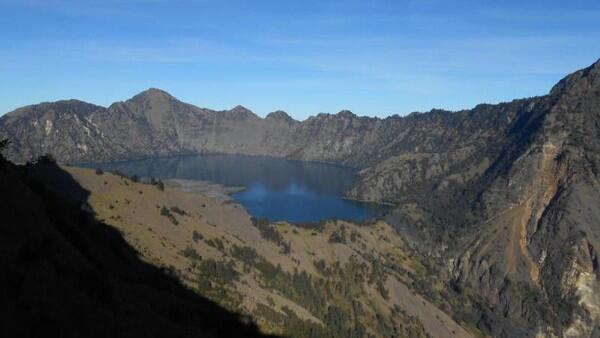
[154, 93]
[279, 115]
[579, 81]
[594, 70]
[346, 113]
[153, 103]
[240, 108]
[240, 112]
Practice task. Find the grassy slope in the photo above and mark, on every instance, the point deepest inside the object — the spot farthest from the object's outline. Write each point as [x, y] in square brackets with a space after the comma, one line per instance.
[355, 280]
[66, 274]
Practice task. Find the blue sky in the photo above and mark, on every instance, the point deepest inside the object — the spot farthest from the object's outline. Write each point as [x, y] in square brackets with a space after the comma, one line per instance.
[373, 57]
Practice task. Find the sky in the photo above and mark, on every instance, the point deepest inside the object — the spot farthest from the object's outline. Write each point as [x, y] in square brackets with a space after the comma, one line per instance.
[375, 58]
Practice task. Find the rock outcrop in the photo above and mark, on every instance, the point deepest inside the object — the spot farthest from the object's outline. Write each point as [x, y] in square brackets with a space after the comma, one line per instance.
[533, 252]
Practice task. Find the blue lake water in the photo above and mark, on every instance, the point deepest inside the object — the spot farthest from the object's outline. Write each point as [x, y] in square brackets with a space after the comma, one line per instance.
[276, 189]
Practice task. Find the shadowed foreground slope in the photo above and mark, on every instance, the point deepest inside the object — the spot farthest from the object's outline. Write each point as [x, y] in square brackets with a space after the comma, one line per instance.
[66, 274]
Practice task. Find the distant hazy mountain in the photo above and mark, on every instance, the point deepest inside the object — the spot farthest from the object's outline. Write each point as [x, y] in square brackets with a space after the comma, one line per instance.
[505, 198]
[155, 123]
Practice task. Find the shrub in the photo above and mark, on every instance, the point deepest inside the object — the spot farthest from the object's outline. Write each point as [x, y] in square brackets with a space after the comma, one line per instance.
[178, 211]
[196, 236]
[164, 211]
[118, 172]
[286, 247]
[382, 290]
[270, 233]
[321, 266]
[216, 243]
[336, 237]
[219, 272]
[354, 236]
[244, 253]
[317, 226]
[99, 171]
[191, 253]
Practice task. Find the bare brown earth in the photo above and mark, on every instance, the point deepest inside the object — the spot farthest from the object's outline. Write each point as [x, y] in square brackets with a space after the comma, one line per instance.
[135, 210]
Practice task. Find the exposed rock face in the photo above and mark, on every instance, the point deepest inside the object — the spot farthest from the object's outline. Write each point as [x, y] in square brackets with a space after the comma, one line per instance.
[506, 194]
[533, 246]
[439, 150]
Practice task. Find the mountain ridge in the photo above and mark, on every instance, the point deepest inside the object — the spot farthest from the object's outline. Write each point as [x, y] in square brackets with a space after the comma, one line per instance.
[503, 197]
[152, 90]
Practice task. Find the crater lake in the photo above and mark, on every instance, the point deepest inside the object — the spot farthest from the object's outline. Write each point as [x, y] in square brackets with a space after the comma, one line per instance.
[274, 188]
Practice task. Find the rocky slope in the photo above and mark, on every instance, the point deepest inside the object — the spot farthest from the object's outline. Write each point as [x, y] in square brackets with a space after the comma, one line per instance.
[533, 252]
[518, 229]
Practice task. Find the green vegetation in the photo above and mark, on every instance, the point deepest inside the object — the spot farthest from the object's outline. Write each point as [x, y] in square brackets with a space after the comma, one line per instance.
[135, 178]
[216, 243]
[191, 253]
[178, 211]
[196, 236]
[164, 211]
[338, 236]
[378, 278]
[354, 236]
[218, 272]
[119, 173]
[334, 299]
[321, 267]
[270, 233]
[273, 318]
[317, 226]
[158, 183]
[215, 280]
[245, 254]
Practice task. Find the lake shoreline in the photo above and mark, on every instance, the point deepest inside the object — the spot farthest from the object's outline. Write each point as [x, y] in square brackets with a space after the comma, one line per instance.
[204, 187]
[270, 187]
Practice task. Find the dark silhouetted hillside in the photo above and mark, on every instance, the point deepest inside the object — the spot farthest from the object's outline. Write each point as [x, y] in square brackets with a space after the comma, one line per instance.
[64, 274]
